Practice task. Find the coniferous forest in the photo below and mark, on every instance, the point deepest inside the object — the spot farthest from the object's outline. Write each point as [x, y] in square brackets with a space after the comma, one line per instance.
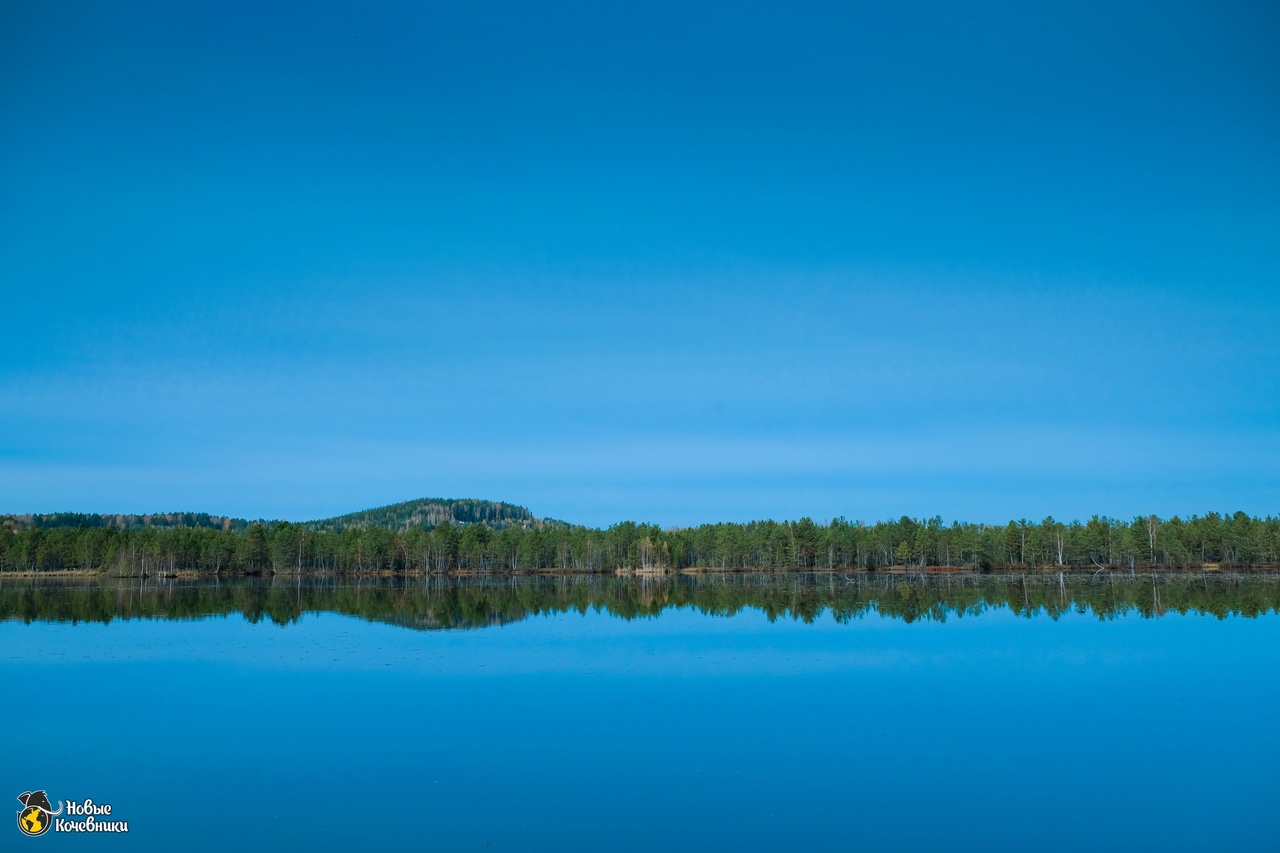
[480, 536]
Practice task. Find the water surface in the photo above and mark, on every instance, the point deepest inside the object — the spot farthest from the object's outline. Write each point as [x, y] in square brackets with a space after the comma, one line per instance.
[734, 713]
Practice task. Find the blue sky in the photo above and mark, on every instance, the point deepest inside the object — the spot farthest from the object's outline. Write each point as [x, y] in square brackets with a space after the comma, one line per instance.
[672, 262]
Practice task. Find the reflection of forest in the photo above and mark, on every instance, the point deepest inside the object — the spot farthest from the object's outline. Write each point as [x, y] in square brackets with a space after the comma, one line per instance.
[483, 600]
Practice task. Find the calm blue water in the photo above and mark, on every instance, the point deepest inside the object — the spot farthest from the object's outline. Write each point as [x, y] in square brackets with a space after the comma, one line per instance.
[681, 732]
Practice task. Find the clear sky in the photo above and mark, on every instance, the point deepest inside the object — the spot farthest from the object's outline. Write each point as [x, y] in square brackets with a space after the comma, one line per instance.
[673, 262]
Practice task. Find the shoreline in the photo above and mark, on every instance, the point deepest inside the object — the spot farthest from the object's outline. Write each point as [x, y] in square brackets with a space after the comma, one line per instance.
[652, 573]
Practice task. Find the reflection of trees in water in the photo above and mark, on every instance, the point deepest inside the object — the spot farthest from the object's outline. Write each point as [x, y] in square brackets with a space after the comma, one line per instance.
[479, 601]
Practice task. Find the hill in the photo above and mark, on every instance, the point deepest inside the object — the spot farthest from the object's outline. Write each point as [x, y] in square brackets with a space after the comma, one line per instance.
[158, 520]
[428, 512]
[423, 512]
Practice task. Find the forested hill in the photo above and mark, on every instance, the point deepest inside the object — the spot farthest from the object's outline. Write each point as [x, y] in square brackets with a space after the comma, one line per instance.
[158, 520]
[428, 512]
[423, 512]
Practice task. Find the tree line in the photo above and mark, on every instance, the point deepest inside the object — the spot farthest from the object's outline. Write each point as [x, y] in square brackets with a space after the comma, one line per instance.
[1236, 541]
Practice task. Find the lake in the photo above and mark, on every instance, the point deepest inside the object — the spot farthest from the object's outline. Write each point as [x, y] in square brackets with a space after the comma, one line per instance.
[713, 712]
